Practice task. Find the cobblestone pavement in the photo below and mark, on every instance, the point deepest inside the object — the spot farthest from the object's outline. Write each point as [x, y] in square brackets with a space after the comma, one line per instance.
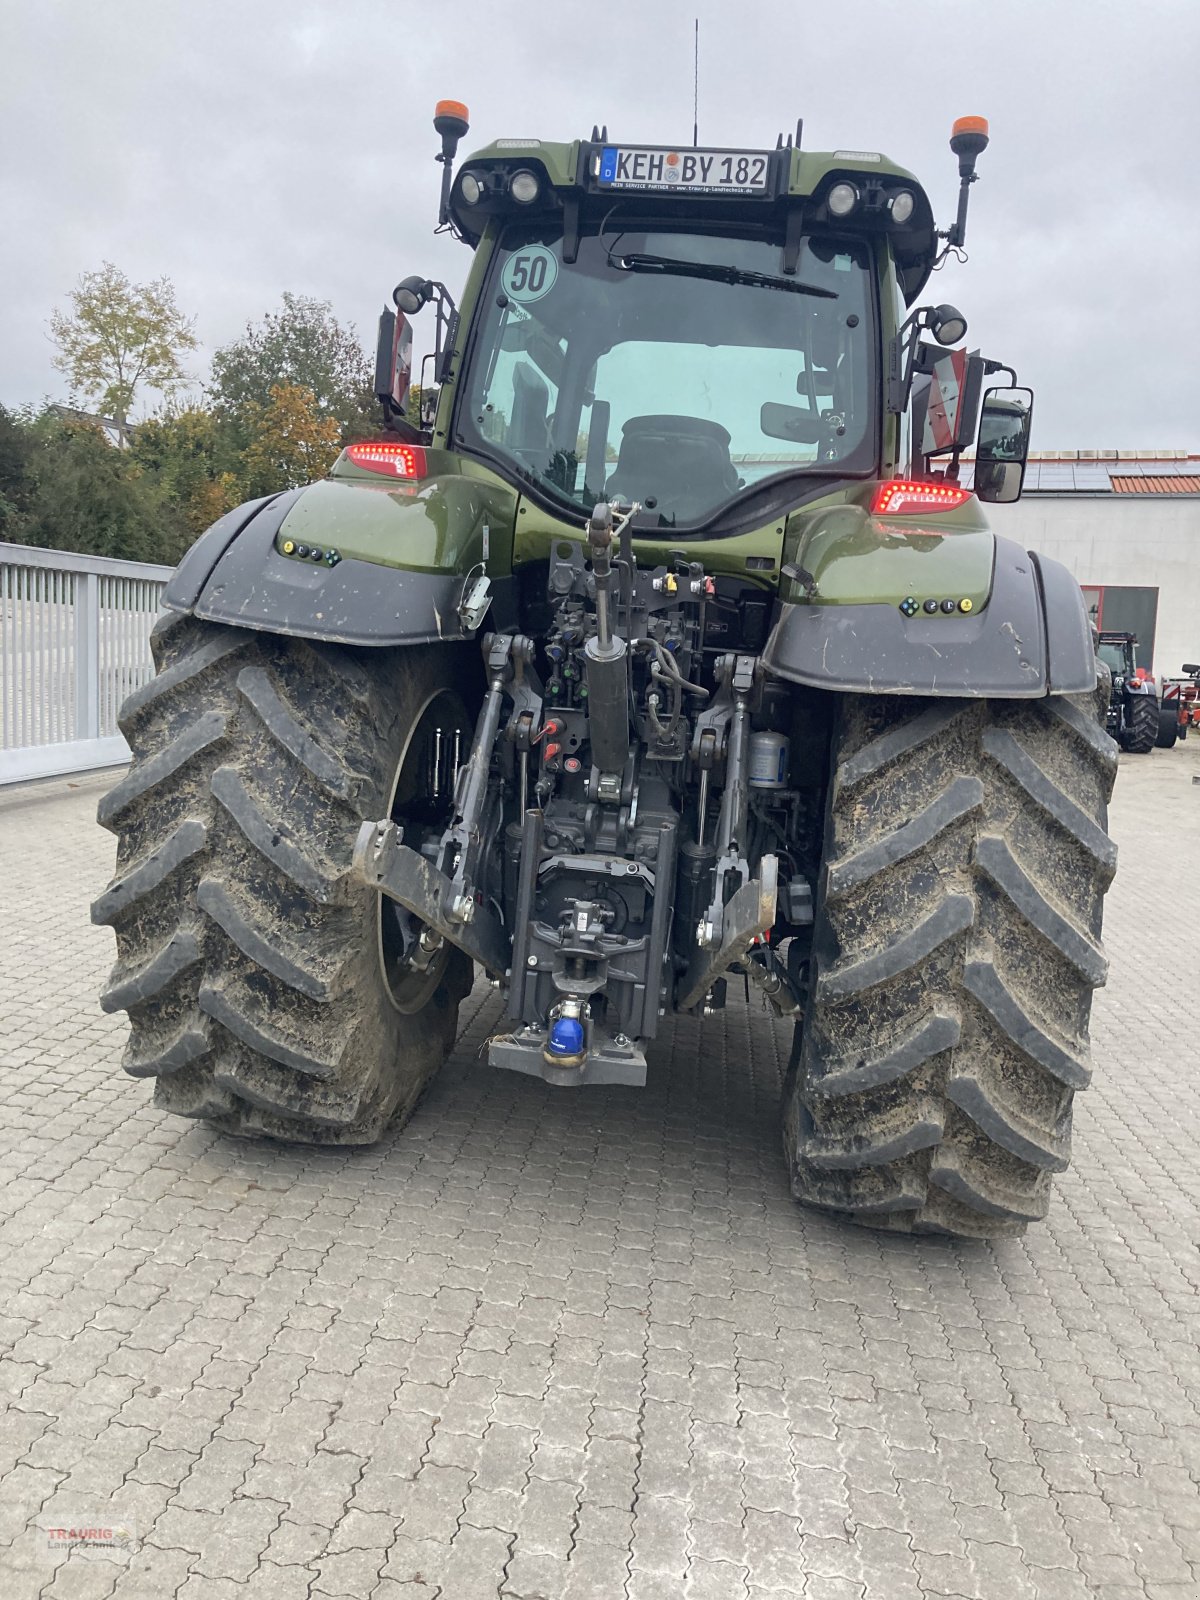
[563, 1345]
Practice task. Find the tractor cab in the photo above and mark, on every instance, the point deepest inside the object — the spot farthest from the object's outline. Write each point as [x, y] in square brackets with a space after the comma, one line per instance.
[717, 335]
[1118, 651]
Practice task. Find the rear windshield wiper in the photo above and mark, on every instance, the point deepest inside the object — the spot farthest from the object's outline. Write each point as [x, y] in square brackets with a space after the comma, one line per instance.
[717, 274]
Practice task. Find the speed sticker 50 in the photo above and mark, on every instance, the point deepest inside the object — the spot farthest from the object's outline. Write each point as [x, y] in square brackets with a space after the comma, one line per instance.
[529, 274]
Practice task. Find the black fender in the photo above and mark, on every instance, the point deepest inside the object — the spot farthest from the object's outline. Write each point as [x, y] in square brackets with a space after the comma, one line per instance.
[1033, 638]
[234, 574]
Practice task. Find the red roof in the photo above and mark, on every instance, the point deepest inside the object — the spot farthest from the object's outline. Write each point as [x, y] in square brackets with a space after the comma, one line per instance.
[1167, 483]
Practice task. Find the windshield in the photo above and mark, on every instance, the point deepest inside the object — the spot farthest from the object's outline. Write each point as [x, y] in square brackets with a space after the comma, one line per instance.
[1115, 659]
[674, 369]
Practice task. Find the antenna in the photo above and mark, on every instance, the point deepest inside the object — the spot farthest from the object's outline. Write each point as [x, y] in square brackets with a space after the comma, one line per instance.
[696, 89]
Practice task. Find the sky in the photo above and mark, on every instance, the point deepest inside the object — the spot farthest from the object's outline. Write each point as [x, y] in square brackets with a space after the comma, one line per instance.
[245, 147]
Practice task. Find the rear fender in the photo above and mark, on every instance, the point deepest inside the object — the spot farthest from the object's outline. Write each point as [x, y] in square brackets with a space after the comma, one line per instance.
[1028, 635]
[385, 565]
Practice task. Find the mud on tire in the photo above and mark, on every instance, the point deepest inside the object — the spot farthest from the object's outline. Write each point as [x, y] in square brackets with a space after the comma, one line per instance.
[955, 952]
[248, 962]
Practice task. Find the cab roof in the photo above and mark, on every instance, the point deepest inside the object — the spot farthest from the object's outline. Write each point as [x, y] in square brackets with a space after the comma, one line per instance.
[798, 184]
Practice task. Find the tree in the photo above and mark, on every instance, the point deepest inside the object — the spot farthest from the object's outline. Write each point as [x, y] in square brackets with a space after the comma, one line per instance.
[190, 457]
[121, 335]
[291, 442]
[18, 487]
[78, 492]
[300, 346]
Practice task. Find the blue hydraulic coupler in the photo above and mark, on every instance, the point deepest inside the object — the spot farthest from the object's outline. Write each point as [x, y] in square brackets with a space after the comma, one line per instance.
[565, 1044]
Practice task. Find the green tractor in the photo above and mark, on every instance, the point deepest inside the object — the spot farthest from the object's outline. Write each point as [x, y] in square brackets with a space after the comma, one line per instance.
[666, 649]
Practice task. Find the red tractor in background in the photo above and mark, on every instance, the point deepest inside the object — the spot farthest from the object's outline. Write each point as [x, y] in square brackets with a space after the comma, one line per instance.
[1133, 711]
[1180, 706]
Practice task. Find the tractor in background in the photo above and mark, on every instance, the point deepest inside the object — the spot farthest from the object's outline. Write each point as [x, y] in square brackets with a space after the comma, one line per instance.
[1133, 711]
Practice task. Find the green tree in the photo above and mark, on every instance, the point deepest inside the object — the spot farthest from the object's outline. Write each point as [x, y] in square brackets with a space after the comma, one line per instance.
[189, 455]
[18, 486]
[291, 442]
[79, 492]
[120, 336]
[300, 346]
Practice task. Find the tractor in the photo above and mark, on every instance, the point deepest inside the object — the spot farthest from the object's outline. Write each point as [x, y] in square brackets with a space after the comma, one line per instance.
[662, 653]
[1133, 716]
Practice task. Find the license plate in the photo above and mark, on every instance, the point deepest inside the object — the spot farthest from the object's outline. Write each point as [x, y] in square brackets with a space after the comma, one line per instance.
[697, 171]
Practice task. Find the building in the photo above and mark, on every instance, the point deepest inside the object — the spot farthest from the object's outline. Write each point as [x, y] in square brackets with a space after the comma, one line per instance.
[1127, 524]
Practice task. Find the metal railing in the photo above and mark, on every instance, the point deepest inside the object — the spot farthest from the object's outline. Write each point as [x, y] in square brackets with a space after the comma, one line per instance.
[74, 640]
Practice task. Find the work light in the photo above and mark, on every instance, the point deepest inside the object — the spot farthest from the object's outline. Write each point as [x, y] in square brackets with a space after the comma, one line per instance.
[524, 187]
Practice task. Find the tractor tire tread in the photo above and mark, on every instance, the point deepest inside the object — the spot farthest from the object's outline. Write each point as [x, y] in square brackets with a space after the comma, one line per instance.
[955, 953]
[247, 957]
[1141, 729]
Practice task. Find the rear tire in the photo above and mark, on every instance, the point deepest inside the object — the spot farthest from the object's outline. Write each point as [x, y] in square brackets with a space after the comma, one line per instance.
[248, 961]
[956, 947]
[1168, 727]
[1141, 726]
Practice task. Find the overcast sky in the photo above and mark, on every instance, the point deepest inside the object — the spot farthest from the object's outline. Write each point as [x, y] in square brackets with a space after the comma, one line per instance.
[244, 147]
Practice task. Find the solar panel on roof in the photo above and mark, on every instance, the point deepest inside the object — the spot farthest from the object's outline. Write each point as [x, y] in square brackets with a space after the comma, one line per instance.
[1090, 477]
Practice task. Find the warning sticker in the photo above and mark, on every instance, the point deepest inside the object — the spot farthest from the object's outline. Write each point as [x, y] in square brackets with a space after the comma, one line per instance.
[945, 395]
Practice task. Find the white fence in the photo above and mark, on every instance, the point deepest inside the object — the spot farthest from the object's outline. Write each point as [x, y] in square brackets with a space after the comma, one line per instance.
[74, 640]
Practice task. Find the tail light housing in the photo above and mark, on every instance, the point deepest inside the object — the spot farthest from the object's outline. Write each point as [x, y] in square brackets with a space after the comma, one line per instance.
[388, 459]
[899, 498]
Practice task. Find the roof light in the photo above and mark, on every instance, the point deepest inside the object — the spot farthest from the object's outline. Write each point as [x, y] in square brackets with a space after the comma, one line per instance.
[969, 133]
[900, 498]
[901, 206]
[390, 460]
[842, 199]
[470, 187]
[524, 187]
[451, 117]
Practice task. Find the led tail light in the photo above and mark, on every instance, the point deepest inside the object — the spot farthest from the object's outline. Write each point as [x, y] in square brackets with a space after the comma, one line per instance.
[389, 460]
[898, 498]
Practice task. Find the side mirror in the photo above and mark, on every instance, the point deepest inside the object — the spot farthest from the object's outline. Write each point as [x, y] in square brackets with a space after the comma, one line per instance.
[393, 362]
[409, 295]
[1003, 444]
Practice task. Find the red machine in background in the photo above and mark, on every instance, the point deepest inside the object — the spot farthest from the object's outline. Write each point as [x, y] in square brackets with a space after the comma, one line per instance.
[1179, 708]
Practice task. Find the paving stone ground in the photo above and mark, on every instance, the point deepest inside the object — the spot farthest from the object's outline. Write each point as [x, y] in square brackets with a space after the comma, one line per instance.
[582, 1346]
